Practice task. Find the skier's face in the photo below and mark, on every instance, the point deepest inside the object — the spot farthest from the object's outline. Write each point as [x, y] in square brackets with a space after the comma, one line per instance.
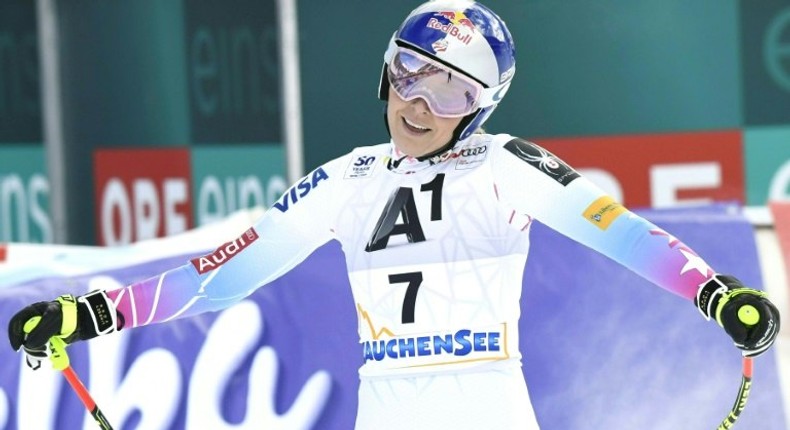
[415, 130]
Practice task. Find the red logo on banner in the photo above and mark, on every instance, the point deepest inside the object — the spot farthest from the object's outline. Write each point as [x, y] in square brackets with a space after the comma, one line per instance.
[659, 170]
[3, 252]
[141, 194]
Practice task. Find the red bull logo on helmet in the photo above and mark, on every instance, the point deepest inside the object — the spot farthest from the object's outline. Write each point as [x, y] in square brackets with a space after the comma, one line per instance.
[454, 24]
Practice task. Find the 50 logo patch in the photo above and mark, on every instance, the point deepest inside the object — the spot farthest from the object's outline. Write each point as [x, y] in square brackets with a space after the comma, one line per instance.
[360, 167]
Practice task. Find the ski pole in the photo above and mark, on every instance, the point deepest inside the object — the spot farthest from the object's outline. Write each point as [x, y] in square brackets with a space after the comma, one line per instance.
[60, 361]
[743, 396]
[749, 316]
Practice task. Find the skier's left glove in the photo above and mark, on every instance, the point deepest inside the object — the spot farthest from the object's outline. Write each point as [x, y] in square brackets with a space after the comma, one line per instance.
[745, 314]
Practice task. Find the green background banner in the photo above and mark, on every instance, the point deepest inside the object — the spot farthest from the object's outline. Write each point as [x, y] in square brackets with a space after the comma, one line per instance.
[613, 67]
[148, 73]
[232, 70]
[226, 178]
[583, 68]
[767, 159]
[20, 111]
[24, 195]
[765, 50]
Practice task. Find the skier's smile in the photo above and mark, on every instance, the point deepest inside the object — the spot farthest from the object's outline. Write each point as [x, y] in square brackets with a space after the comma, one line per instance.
[415, 130]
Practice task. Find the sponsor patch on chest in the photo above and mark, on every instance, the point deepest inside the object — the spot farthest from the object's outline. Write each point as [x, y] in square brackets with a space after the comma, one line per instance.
[469, 158]
[361, 167]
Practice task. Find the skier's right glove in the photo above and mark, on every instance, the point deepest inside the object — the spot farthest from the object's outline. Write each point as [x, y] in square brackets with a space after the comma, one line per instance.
[745, 314]
[67, 317]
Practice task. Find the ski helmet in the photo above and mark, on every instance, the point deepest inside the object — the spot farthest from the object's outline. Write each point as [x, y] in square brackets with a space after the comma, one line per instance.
[465, 37]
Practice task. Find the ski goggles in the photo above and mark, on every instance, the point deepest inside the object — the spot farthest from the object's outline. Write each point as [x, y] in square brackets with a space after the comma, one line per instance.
[449, 93]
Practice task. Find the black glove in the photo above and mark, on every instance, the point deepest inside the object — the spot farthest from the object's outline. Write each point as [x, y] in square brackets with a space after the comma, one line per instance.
[745, 314]
[66, 317]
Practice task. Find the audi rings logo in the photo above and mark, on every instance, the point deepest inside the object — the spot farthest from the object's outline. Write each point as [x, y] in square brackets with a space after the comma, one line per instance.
[469, 158]
[470, 152]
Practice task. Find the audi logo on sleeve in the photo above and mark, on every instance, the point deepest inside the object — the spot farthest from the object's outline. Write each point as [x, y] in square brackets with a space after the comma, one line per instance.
[225, 252]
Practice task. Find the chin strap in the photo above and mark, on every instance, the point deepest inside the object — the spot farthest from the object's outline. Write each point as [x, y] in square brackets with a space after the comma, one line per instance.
[439, 155]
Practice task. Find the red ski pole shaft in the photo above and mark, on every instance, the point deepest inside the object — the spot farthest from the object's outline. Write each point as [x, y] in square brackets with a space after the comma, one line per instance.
[60, 361]
[743, 396]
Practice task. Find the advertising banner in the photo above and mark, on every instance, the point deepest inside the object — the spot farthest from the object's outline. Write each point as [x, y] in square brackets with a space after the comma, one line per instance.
[781, 216]
[230, 177]
[767, 163]
[764, 26]
[232, 71]
[20, 100]
[24, 195]
[141, 194]
[602, 348]
[660, 170]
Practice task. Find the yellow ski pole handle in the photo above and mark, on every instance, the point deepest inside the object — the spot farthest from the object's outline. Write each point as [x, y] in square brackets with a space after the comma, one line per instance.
[31, 324]
[57, 346]
[60, 361]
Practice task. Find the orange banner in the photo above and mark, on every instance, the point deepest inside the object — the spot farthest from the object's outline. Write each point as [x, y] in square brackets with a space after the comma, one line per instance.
[781, 214]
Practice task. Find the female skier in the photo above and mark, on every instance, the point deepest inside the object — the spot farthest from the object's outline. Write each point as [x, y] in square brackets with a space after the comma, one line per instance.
[434, 226]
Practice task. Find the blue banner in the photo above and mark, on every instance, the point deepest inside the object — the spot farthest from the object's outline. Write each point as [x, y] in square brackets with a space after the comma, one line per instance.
[602, 347]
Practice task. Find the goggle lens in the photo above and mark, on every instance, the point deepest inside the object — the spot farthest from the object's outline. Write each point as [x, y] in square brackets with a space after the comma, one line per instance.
[448, 93]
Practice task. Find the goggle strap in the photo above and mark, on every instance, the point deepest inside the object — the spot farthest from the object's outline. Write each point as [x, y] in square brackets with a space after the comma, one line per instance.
[492, 96]
[392, 48]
